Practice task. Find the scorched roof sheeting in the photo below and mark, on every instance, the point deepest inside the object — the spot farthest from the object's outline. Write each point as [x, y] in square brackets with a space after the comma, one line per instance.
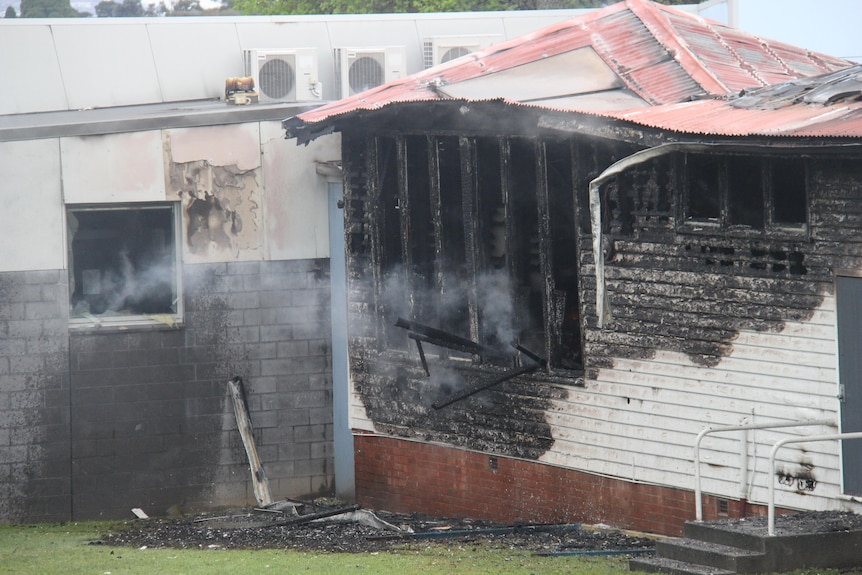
[661, 55]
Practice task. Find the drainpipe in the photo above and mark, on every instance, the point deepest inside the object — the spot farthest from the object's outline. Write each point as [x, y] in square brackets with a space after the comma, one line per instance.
[603, 311]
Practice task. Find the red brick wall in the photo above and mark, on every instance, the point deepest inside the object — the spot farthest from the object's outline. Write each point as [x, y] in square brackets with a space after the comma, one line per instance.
[406, 476]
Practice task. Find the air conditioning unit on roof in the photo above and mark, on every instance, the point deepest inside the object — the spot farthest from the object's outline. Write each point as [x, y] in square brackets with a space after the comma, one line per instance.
[360, 69]
[440, 49]
[284, 75]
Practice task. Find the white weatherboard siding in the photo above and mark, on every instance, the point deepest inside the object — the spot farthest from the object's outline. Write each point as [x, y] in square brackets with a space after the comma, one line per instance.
[640, 419]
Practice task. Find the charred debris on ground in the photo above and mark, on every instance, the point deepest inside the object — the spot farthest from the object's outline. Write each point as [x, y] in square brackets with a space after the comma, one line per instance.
[326, 526]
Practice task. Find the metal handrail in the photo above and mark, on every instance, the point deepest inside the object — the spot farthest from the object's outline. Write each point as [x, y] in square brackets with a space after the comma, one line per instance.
[783, 442]
[743, 451]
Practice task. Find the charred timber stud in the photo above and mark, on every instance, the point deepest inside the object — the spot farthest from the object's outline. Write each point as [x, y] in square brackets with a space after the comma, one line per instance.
[445, 343]
[474, 390]
[313, 516]
[438, 337]
[422, 356]
[540, 360]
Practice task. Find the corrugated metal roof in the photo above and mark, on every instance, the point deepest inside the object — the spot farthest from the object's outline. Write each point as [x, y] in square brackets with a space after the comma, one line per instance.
[825, 106]
[661, 55]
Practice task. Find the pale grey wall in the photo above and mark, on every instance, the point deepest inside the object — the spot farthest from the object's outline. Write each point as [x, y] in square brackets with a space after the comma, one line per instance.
[72, 64]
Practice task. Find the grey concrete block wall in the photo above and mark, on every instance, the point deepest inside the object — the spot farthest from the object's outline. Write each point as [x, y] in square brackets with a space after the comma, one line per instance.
[142, 417]
[34, 397]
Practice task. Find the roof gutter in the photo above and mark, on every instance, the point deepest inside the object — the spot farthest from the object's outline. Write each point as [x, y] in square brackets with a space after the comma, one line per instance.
[603, 311]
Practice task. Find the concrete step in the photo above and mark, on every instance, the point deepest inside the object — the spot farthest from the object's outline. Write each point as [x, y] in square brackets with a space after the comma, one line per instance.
[673, 567]
[723, 535]
[709, 554]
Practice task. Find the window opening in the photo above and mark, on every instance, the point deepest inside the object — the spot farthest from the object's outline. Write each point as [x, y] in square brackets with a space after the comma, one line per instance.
[702, 174]
[452, 264]
[523, 243]
[566, 346]
[391, 256]
[745, 191]
[122, 262]
[488, 243]
[419, 232]
[493, 285]
[788, 186]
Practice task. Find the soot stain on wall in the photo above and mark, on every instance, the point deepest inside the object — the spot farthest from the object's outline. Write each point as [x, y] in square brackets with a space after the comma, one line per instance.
[673, 286]
[508, 419]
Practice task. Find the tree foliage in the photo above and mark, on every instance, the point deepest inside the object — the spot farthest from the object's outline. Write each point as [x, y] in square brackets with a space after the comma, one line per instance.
[124, 9]
[272, 7]
[48, 9]
[10, 12]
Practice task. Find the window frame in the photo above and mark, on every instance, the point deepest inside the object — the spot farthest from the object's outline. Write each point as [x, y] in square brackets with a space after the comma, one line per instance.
[770, 226]
[125, 321]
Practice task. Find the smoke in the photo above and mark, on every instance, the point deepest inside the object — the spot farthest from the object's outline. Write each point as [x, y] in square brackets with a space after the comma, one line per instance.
[129, 287]
[449, 310]
[496, 310]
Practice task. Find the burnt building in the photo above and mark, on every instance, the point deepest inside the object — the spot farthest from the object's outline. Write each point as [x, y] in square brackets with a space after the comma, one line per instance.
[569, 254]
[161, 239]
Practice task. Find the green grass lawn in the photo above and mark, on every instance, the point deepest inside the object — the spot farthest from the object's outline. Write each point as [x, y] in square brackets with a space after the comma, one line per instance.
[69, 550]
[76, 548]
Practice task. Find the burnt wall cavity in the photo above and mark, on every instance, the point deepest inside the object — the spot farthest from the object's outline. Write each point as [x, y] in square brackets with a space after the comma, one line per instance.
[432, 227]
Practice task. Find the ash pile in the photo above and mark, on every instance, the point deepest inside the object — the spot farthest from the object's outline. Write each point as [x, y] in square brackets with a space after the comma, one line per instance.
[327, 526]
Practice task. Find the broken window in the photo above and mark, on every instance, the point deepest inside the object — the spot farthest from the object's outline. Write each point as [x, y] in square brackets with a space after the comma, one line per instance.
[123, 263]
[487, 239]
[788, 186]
[744, 192]
[703, 184]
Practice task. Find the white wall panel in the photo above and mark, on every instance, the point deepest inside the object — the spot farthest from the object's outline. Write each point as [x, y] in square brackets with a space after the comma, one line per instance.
[107, 65]
[191, 70]
[32, 214]
[297, 225]
[31, 72]
[113, 168]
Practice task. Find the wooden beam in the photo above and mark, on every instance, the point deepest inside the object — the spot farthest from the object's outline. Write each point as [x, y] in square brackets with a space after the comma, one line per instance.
[243, 423]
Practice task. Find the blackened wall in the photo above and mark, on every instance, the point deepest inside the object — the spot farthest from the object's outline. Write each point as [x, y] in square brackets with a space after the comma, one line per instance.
[34, 396]
[95, 423]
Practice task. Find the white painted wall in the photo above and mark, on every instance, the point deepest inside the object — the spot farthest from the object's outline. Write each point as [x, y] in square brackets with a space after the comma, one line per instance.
[113, 168]
[639, 420]
[32, 218]
[296, 217]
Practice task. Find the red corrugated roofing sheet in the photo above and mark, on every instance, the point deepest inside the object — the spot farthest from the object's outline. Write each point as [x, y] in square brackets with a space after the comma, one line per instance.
[719, 118]
[663, 55]
[825, 106]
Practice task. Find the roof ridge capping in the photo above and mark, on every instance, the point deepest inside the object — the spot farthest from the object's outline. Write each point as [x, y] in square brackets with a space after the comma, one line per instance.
[843, 85]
